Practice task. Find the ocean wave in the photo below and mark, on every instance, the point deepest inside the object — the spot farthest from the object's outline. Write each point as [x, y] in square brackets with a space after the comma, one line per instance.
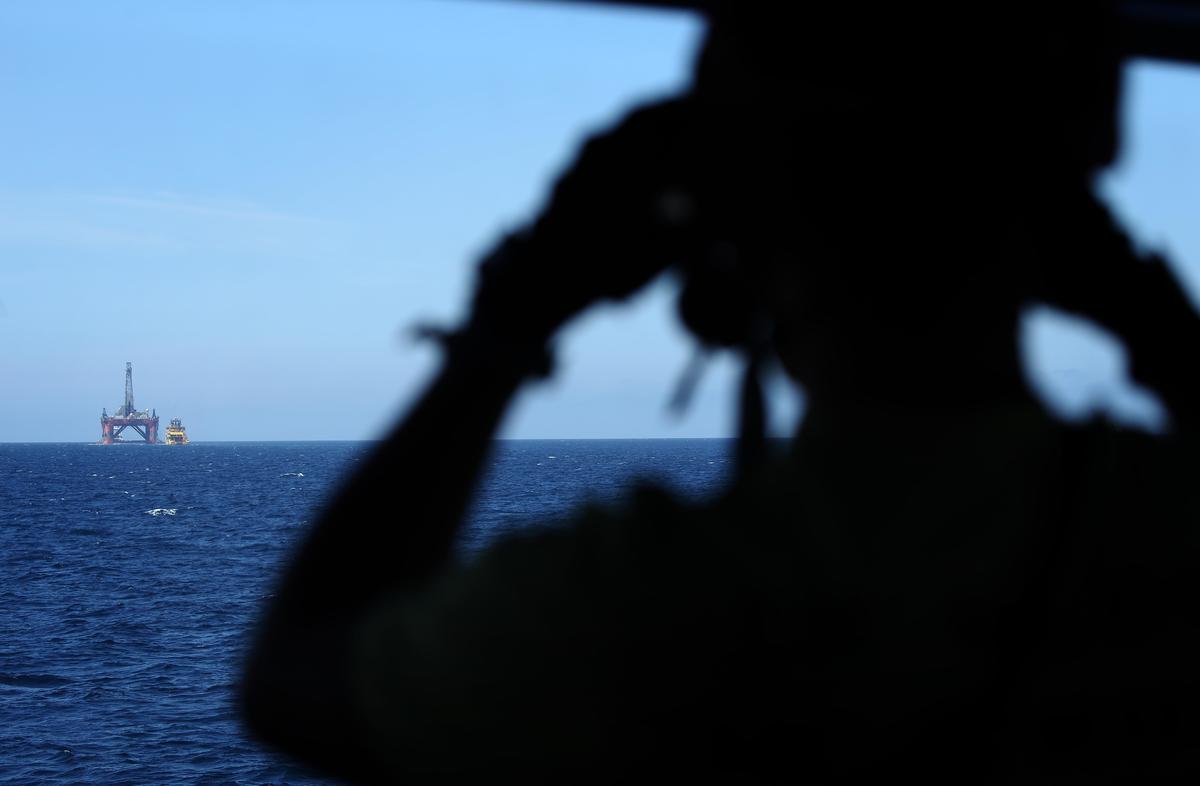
[291, 475]
[162, 511]
[33, 680]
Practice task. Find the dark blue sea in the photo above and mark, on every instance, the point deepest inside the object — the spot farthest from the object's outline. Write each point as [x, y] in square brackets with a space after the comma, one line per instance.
[130, 576]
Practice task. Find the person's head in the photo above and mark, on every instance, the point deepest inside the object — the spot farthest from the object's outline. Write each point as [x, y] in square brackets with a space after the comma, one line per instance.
[892, 263]
[1043, 78]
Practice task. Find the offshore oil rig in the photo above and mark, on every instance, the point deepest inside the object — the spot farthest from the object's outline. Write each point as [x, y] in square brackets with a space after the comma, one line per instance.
[145, 423]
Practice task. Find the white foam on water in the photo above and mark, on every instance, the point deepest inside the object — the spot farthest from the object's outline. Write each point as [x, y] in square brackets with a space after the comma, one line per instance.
[162, 511]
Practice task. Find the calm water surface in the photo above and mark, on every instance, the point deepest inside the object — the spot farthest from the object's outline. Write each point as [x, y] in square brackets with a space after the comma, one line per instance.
[130, 575]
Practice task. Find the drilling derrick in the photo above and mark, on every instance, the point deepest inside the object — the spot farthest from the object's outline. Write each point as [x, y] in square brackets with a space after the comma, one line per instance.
[144, 423]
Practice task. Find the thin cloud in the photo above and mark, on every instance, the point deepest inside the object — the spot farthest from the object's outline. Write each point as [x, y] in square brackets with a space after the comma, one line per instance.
[233, 209]
[75, 232]
[156, 222]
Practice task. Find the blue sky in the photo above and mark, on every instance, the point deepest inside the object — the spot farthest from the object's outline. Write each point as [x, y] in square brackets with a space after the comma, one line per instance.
[252, 200]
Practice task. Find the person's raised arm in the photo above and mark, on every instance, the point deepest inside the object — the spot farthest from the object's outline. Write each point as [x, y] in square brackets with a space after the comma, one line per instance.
[391, 528]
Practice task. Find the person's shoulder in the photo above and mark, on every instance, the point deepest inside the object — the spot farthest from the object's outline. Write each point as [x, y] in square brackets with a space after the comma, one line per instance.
[528, 656]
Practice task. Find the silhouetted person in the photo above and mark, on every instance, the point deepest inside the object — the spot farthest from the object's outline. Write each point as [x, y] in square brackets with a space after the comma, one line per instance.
[938, 580]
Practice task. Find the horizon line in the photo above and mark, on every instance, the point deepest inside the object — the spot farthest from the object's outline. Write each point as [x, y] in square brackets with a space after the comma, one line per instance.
[261, 441]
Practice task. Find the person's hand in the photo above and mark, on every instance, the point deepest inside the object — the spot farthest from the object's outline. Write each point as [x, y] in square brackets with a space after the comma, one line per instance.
[611, 225]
